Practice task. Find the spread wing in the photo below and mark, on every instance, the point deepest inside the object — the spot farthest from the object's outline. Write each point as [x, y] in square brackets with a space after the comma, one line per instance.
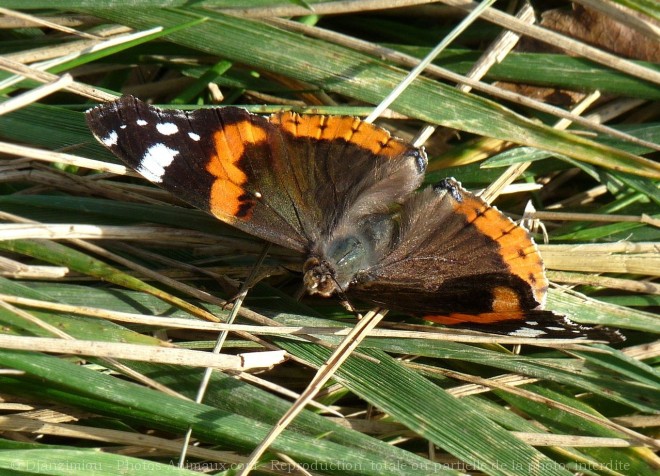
[450, 249]
[288, 179]
[458, 261]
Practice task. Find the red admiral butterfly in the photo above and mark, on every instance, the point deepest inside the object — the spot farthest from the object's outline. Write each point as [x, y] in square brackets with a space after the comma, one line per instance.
[343, 192]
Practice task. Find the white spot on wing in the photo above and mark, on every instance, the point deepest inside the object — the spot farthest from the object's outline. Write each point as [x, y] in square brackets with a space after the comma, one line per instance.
[555, 328]
[141, 122]
[167, 128]
[156, 159]
[123, 126]
[527, 332]
[110, 139]
[532, 323]
[194, 136]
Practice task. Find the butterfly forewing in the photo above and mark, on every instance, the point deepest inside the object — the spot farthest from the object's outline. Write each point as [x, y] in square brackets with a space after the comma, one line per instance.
[283, 178]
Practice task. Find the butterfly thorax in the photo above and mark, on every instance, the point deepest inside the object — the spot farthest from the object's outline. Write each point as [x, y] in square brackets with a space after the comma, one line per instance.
[351, 248]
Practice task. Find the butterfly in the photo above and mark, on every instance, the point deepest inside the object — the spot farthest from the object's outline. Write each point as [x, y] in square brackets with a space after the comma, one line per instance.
[346, 195]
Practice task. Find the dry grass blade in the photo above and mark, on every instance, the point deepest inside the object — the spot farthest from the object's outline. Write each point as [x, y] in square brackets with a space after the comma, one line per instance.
[36, 94]
[644, 351]
[10, 268]
[87, 232]
[516, 170]
[631, 285]
[66, 338]
[572, 441]
[60, 158]
[325, 373]
[565, 216]
[45, 77]
[636, 437]
[61, 20]
[66, 49]
[21, 424]
[163, 355]
[475, 389]
[324, 8]
[41, 21]
[639, 421]
[600, 259]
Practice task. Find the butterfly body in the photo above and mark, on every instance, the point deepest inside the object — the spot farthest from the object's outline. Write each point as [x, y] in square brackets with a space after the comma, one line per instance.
[344, 193]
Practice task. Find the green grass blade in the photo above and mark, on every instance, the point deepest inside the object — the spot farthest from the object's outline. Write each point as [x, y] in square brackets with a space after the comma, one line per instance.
[347, 72]
[107, 395]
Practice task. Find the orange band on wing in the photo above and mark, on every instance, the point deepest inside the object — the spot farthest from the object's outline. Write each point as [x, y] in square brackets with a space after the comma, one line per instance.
[228, 198]
[517, 249]
[484, 318]
[505, 299]
[350, 129]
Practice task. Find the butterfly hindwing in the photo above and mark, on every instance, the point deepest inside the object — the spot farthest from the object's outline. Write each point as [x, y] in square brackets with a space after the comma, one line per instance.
[460, 254]
[458, 261]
